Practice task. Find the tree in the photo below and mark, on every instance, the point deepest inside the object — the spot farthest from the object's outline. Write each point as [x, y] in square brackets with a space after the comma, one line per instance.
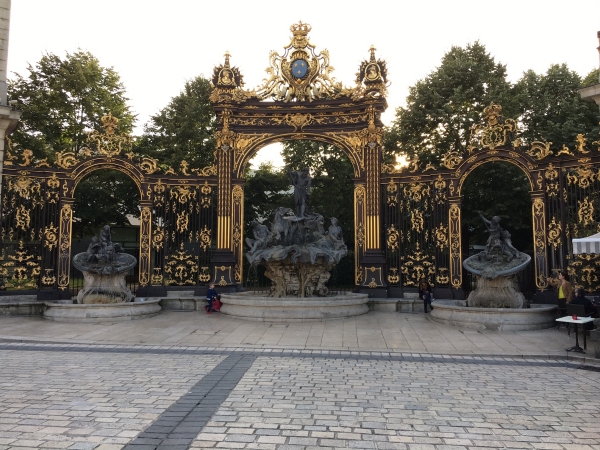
[441, 109]
[266, 189]
[592, 78]
[63, 99]
[485, 190]
[183, 130]
[552, 109]
[119, 196]
[332, 188]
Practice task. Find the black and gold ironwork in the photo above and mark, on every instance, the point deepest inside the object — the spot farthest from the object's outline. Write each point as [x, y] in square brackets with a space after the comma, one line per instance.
[176, 215]
[300, 100]
[564, 196]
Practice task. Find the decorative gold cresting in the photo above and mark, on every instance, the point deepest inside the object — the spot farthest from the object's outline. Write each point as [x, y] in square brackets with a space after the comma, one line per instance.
[494, 132]
[107, 142]
[300, 73]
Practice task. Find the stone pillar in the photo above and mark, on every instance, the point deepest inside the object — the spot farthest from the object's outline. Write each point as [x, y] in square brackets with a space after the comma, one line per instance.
[9, 117]
[4, 31]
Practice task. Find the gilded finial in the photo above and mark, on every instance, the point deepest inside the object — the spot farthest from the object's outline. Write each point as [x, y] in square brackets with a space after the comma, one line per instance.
[372, 50]
[227, 55]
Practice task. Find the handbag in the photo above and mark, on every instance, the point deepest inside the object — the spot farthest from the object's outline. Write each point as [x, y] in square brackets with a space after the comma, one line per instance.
[217, 304]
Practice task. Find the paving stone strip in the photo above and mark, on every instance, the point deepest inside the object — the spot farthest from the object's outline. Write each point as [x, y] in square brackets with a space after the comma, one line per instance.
[178, 426]
[512, 360]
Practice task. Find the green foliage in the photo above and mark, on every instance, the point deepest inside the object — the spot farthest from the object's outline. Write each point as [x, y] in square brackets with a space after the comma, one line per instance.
[497, 189]
[183, 130]
[552, 109]
[332, 187]
[63, 99]
[104, 197]
[266, 189]
[441, 109]
[591, 78]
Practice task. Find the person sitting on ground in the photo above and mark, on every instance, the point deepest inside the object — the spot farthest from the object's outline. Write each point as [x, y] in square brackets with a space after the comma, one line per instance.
[210, 296]
[425, 293]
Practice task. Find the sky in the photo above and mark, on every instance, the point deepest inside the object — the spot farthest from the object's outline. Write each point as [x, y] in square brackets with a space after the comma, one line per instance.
[156, 46]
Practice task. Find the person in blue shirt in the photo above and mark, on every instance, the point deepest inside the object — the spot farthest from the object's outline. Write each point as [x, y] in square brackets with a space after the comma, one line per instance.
[210, 296]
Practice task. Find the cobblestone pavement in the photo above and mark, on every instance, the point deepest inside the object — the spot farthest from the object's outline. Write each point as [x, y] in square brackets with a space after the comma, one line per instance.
[134, 397]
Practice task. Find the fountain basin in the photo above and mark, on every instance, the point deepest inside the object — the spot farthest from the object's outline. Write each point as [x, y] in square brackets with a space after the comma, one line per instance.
[247, 305]
[452, 312]
[111, 312]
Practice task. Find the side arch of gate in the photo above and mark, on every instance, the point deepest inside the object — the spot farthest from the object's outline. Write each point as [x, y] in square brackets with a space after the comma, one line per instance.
[177, 217]
[421, 207]
[303, 105]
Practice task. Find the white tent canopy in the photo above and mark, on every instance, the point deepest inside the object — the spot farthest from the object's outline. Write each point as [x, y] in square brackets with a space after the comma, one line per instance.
[590, 244]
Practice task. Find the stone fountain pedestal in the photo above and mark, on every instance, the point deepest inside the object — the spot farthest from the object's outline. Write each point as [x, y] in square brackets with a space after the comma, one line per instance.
[105, 295]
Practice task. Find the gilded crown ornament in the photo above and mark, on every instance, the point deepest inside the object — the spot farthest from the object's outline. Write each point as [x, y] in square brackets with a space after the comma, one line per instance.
[300, 29]
[300, 73]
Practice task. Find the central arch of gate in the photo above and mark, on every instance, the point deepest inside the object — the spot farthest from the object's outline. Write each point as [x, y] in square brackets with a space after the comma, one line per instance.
[300, 100]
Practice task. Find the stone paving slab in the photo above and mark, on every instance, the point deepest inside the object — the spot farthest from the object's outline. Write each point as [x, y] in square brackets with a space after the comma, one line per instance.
[293, 403]
[380, 381]
[84, 399]
[374, 331]
[168, 397]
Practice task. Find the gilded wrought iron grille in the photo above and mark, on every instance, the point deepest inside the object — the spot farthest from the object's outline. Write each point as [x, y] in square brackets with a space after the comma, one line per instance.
[416, 232]
[30, 230]
[183, 230]
[580, 204]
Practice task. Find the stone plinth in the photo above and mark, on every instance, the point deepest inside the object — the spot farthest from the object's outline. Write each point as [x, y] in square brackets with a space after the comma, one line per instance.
[499, 292]
[499, 319]
[102, 312]
[248, 305]
[103, 289]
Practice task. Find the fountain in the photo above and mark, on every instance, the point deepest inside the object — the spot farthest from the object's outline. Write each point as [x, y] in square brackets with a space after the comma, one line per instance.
[105, 295]
[298, 255]
[496, 303]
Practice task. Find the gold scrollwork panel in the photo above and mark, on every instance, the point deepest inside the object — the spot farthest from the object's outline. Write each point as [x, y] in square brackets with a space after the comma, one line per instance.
[145, 245]
[64, 246]
[455, 246]
[359, 229]
[238, 230]
[539, 242]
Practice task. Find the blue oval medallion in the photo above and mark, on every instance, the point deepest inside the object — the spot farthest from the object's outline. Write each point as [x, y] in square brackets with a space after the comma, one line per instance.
[299, 68]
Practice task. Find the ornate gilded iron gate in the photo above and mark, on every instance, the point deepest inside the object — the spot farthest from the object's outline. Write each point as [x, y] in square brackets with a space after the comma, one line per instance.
[300, 101]
[416, 232]
[422, 214]
[177, 220]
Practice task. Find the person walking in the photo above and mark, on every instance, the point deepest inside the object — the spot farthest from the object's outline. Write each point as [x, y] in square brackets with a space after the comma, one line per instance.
[425, 293]
[210, 296]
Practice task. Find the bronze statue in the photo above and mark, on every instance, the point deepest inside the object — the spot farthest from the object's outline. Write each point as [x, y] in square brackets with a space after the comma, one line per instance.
[301, 182]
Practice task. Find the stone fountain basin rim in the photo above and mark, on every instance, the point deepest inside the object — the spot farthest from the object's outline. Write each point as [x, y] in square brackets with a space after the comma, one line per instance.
[248, 306]
[450, 304]
[248, 298]
[494, 319]
[101, 312]
[502, 273]
[129, 263]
